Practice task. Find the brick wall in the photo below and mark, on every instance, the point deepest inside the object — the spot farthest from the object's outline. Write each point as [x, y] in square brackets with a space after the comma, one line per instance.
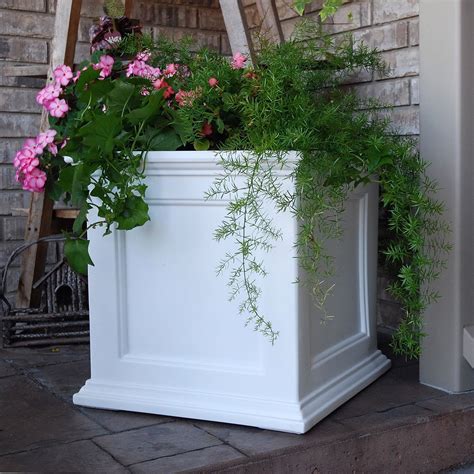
[25, 33]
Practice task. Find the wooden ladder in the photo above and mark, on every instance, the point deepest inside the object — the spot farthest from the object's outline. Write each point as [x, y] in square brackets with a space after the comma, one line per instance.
[41, 214]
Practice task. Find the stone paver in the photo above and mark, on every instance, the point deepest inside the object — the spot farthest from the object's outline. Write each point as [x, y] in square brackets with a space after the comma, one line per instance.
[80, 456]
[252, 441]
[6, 369]
[390, 419]
[116, 421]
[152, 442]
[31, 417]
[385, 394]
[450, 403]
[188, 461]
[64, 380]
[25, 357]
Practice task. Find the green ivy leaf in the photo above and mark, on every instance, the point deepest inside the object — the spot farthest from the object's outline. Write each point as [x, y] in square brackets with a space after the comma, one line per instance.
[155, 102]
[299, 6]
[80, 183]
[78, 225]
[133, 214]
[77, 255]
[220, 125]
[87, 76]
[100, 132]
[202, 145]
[330, 7]
[166, 140]
[120, 95]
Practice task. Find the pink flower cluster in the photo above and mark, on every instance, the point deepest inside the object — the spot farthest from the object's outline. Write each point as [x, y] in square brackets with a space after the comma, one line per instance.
[139, 67]
[238, 61]
[49, 97]
[105, 65]
[27, 161]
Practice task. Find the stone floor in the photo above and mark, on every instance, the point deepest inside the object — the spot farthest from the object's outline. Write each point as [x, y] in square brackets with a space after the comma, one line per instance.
[395, 425]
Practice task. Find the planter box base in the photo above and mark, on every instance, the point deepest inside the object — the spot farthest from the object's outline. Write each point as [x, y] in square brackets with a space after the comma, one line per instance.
[266, 414]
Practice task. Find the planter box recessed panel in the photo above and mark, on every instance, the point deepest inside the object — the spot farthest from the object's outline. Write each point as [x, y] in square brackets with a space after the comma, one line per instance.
[166, 340]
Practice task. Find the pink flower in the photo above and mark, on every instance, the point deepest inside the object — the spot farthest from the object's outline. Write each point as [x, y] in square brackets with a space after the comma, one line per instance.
[139, 68]
[47, 94]
[144, 91]
[53, 148]
[105, 65]
[160, 84]
[186, 98]
[206, 129]
[25, 160]
[213, 82]
[62, 75]
[170, 70]
[168, 92]
[238, 61]
[46, 138]
[78, 74]
[143, 56]
[34, 181]
[58, 108]
[136, 68]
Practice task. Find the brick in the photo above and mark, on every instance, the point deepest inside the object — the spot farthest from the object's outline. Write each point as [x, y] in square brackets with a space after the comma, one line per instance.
[29, 24]
[6, 249]
[395, 92]
[13, 228]
[415, 91]
[385, 11]
[83, 32]
[182, 17]
[386, 37]
[30, 5]
[200, 38]
[18, 100]
[414, 32]
[10, 200]
[211, 20]
[405, 120]
[23, 49]
[403, 62]
[8, 148]
[20, 81]
[358, 77]
[82, 52]
[7, 178]
[285, 11]
[225, 46]
[252, 17]
[19, 125]
[349, 17]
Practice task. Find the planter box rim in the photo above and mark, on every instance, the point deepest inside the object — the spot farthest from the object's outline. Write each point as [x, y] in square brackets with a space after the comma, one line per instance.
[208, 156]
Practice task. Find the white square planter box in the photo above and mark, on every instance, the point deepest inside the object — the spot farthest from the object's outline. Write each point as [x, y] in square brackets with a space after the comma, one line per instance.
[166, 340]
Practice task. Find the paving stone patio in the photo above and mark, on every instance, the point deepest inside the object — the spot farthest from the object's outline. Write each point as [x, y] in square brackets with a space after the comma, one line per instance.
[395, 425]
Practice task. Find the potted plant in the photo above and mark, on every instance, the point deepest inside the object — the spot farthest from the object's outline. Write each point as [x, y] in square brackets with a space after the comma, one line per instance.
[281, 165]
